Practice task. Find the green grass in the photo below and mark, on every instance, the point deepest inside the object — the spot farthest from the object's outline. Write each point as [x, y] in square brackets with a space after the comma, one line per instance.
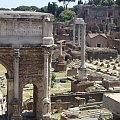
[60, 74]
[61, 87]
[56, 115]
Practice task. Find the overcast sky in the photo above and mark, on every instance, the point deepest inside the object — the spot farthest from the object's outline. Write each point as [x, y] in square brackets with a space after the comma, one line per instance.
[38, 3]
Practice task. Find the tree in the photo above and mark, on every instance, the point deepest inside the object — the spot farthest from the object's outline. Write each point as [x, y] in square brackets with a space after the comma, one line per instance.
[66, 2]
[52, 8]
[59, 10]
[26, 8]
[80, 2]
[66, 15]
[53, 80]
[118, 2]
[108, 2]
[44, 9]
[22, 8]
[101, 2]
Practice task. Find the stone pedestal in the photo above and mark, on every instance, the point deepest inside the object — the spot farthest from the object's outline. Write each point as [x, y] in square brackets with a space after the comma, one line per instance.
[47, 117]
[82, 74]
[61, 65]
[78, 86]
[16, 109]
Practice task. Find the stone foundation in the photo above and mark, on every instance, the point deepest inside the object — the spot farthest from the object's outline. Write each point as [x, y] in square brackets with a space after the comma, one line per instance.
[80, 86]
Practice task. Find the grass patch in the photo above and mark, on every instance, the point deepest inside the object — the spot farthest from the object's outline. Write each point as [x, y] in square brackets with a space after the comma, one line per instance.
[60, 74]
[56, 115]
[61, 87]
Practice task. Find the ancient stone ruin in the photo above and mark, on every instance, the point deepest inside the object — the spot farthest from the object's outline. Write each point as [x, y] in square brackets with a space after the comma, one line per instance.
[25, 50]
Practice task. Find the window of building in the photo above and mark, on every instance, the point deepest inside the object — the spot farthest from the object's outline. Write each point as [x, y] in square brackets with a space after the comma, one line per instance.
[99, 45]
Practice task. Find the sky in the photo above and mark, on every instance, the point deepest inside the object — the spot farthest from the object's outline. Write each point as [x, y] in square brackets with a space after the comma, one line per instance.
[38, 3]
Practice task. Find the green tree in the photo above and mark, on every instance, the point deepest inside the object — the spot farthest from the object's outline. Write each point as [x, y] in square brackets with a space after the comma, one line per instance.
[44, 9]
[90, 2]
[59, 10]
[66, 2]
[80, 2]
[26, 8]
[101, 2]
[4, 9]
[53, 80]
[52, 8]
[66, 15]
[22, 8]
[118, 2]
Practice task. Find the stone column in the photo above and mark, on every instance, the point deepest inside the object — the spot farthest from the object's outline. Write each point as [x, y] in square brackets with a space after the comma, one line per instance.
[60, 48]
[119, 76]
[16, 73]
[82, 72]
[74, 34]
[79, 35]
[46, 100]
[83, 39]
[16, 103]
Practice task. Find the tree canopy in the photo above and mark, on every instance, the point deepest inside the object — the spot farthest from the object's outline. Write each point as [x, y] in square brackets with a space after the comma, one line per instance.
[66, 15]
[118, 2]
[66, 2]
[102, 2]
[26, 8]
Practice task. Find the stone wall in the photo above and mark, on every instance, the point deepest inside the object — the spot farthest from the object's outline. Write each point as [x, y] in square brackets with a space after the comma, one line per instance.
[113, 83]
[72, 72]
[81, 86]
[97, 17]
[101, 53]
[95, 77]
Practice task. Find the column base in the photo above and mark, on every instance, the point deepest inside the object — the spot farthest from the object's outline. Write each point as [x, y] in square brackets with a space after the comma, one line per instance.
[82, 74]
[16, 118]
[47, 117]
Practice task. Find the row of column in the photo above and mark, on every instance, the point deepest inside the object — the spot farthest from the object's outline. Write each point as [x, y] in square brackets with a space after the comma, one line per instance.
[81, 41]
[46, 97]
[74, 34]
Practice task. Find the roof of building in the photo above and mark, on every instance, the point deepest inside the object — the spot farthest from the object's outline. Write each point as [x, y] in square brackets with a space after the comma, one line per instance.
[92, 35]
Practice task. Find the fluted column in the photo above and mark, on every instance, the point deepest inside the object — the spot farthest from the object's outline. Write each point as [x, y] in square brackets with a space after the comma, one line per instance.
[78, 35]
[60, 48]
[46, 99]
[82, 71]
[46, 74]
[83, 39]
[74, 34]
[16, 73]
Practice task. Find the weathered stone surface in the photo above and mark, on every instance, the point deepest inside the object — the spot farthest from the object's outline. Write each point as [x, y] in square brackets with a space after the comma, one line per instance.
[22, 53]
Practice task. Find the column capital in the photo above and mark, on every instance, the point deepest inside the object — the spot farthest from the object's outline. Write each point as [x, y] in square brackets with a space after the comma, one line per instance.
[16, 52]
[46, 53]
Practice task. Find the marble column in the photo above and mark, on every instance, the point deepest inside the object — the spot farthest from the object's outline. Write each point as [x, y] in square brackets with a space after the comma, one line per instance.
[46, 99]
[83, 39]
[74, 34]
[82, 71]
[60, 48]
[16, 115]
[16, 73]
[79, 35]
[119, 76]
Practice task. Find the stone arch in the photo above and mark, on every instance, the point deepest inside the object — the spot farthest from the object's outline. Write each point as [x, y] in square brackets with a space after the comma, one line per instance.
[5, 63]
[34, 95]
